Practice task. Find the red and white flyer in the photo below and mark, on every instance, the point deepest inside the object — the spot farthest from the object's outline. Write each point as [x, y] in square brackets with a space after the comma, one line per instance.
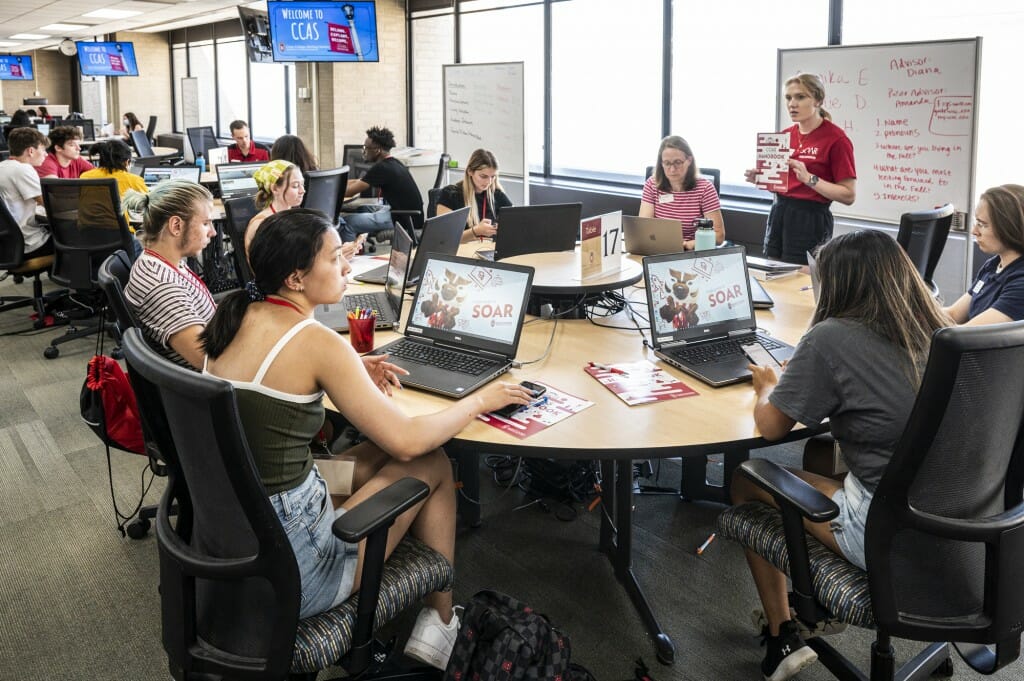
[773, 152]
[639, 382]
[557, 406]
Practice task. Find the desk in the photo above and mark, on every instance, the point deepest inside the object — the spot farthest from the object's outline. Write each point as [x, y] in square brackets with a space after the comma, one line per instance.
[717, 420]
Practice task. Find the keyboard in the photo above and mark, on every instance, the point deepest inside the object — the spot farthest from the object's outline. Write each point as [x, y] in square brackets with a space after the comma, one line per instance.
[442, 358]
[368, 301]
[717, 351]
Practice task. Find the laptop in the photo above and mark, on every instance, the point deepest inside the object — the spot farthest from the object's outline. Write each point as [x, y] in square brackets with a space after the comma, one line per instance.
[758, 296]
[236, 179]
[465, 324]
[701, 313]
[154, 175]
[535, 229]
[812, 266]
[441, 234]
[386, 304]
[652, 236]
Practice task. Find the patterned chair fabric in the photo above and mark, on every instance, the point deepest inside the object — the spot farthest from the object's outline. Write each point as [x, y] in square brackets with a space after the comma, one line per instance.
[840, 586]
[412, 571]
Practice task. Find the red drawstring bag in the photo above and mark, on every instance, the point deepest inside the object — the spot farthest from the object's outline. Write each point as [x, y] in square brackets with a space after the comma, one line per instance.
[108, 405]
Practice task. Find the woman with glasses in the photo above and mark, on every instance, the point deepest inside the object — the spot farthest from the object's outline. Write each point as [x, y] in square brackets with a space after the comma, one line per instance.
[997, 293]
[821, 170]
[481, 191]
[676, 192]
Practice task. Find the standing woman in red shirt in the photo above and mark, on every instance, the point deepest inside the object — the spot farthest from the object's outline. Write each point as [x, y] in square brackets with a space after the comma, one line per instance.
[821, 170]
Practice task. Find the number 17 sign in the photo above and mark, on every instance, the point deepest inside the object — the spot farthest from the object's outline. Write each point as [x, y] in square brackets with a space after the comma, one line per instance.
[601, 245]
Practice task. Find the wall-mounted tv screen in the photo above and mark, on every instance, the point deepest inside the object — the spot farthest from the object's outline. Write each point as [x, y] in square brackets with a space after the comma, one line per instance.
[256, 26]
[107, 59]
[16, 67]
[323, 30]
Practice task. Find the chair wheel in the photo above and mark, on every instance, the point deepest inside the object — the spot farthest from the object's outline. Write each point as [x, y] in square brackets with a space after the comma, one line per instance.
[117, 353]
[138, 528]
[51, 352]
[945, 669]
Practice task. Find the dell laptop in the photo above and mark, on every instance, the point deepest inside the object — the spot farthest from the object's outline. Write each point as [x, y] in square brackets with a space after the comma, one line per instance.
[386, 304]
[441, 234]
[236, 179]
[701, 314]
[535, 229]
[652, 236]
[758, 296]
[465, 324]
[154, 175]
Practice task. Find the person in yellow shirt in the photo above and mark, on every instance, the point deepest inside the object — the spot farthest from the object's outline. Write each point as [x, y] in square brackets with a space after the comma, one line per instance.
[115, 156]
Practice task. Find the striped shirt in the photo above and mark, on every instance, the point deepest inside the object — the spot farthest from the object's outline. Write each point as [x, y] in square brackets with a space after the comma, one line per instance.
[683, 206]
[166, 300]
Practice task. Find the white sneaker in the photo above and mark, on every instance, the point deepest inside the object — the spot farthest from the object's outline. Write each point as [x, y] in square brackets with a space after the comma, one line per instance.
[431, 640]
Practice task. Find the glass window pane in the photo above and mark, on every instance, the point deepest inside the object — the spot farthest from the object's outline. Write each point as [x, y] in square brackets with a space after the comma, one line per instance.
[232, 92]
[180, 70]
[201, 60]
[1001, 23]
[513, 35]
[432, 47]
[606, 86]
[268, 118]
[724, 94]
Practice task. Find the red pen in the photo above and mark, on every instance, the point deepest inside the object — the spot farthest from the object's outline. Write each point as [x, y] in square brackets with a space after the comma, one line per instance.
[605, 367]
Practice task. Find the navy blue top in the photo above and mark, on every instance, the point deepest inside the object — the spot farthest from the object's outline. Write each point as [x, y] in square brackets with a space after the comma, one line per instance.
[1003, 291]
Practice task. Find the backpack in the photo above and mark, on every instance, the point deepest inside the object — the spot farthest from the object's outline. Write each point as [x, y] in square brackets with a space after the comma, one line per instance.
[108, 406]
[502, 639]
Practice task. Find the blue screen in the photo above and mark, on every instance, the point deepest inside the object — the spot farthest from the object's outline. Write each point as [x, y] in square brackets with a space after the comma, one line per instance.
[16, 67]
[107, 59]
[323, 31]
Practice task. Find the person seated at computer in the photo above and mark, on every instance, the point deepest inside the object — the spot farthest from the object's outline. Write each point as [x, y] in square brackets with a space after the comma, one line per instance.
[860, 366]
[129, 124]
[171, 303]
[280, 187]
[391, 182]
[64, 159]
[997, 293]
[114, 158]
[19, 119]
[282, 362]
[44, 114]
[676, 191]
[291, 148]
[481, 191]
[244, 150]
[20, 188]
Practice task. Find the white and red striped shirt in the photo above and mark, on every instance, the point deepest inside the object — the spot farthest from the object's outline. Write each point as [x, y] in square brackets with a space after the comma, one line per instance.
[683, 206]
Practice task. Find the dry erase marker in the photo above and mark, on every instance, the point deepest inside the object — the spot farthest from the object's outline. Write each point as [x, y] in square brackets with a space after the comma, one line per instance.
[706, 544]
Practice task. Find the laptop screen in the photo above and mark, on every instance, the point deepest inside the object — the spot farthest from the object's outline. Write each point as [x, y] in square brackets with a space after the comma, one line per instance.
[398, 265]
[236, 179]
[471, 303]
[442, 234]
[156, 174]
[698, 294]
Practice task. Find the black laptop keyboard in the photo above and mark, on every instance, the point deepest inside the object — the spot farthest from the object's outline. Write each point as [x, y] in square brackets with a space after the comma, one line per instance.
[368, 301]
[442, 358]
[717, 351]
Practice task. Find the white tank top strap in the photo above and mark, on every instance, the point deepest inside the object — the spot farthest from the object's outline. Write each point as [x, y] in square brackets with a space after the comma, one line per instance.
[274, 351]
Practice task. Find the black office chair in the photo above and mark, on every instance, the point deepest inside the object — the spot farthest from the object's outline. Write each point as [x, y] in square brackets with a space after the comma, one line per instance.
[325, 191]
[87, 225]
[238, 212]
[12, 260]
[433, 196]
[923, 236]
[442, 171]
[151, 129]
[141, 143]
[229, 583]
[943, 531]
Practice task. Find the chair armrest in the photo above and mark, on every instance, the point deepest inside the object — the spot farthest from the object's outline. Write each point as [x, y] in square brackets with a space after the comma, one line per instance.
[787, 489]
[380, 510]
[406, 211]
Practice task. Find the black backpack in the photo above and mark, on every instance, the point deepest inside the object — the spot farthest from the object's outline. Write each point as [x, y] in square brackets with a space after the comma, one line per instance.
[502, 639]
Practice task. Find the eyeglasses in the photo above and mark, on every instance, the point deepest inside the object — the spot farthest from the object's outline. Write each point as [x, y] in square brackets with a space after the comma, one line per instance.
[674, 164]
[368, 147]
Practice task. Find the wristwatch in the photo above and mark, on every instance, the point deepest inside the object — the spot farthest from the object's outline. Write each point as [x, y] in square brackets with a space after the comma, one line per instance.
[813, 180]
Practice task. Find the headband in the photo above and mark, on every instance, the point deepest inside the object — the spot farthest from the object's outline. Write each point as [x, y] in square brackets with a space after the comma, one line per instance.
[268, 175]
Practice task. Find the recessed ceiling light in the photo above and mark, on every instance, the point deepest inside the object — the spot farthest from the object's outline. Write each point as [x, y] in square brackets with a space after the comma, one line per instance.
[64, 27]
[111, 14]
[29, 36]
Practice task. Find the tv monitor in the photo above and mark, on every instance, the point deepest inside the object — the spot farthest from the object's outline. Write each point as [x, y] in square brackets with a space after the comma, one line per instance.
[323, 30]
[107, 59]
[16, 67]
[256, 27]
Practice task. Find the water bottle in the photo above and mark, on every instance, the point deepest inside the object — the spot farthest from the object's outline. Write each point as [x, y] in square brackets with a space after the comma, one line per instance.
[200, 163]
[704, 236]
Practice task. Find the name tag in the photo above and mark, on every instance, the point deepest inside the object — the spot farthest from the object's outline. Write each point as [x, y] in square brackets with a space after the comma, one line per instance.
[977, 287]
[666, 198]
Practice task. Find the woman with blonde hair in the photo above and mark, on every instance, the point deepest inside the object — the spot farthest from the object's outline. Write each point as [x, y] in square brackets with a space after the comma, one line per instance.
[280, 186]
[821, 170]
[481, 191]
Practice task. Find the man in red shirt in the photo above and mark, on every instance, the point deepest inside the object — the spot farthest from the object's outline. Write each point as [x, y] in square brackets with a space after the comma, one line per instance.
[64, 159]
[243, 150]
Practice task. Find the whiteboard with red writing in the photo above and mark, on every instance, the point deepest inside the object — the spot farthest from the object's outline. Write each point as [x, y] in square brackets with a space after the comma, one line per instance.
[910, 110]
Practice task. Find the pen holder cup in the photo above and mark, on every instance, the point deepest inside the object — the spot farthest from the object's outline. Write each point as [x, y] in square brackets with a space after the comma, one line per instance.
[360, 332]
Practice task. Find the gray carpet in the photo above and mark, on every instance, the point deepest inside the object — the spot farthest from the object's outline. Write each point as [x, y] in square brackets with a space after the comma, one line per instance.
[79, 602]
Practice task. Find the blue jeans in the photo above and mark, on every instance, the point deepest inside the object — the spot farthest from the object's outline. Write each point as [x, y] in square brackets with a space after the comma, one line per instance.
[370, 222]
[327, 565]
[848, 527]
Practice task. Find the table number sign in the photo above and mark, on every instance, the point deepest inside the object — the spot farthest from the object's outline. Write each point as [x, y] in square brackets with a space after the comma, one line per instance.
[601, 245]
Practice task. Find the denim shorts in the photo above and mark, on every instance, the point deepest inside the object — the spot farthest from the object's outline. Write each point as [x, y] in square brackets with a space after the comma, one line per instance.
[327, 565]
[848, 527]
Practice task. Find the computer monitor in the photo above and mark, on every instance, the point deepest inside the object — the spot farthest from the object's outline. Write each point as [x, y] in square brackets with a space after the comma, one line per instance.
[200, 140]
[85, 127]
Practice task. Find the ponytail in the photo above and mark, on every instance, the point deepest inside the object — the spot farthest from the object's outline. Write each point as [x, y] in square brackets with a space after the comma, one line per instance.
[222, 328]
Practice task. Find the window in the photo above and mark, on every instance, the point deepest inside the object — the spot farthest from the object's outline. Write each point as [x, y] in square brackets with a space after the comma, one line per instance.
[433, 47]
[232, 93]
[200, 56]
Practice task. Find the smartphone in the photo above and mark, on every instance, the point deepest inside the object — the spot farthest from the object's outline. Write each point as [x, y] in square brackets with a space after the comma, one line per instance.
[536, 390]
[761, 357]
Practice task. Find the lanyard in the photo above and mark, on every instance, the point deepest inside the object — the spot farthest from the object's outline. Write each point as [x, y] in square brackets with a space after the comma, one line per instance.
[483, 213]
[282, 302]
[200, 284]
[272, 209]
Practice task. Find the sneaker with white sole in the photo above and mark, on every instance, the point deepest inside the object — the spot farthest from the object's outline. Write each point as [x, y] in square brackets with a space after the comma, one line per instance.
[787, 653]
[431, 640]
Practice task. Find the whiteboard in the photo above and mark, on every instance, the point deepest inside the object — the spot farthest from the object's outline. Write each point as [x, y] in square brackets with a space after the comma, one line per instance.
[190, 102]
[484, 107]
[92, 101]
[910, 110]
